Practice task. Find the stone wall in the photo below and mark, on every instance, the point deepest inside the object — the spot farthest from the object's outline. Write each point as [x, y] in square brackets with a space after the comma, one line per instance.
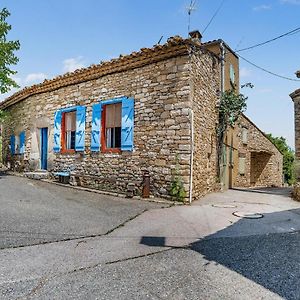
[162, 129]
[296, 99]
[263, 161]
[205, 84]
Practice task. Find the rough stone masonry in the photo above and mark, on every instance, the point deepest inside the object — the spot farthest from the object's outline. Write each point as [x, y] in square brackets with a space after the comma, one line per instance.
[176, 91]
[161, 83]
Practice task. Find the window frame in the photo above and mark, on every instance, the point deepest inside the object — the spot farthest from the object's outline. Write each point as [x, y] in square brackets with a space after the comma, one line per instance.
[232, 74]
[127, 124]
[104, 149]
[63, 131]
[17, 144]
[245, 135]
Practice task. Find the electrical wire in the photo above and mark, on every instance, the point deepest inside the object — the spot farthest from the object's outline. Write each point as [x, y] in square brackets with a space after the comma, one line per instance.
[214, 15]
[265, 70]
[294, 31]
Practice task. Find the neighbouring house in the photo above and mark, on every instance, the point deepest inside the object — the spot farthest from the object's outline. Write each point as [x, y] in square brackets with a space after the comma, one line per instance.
[296, 98]
[150, 113]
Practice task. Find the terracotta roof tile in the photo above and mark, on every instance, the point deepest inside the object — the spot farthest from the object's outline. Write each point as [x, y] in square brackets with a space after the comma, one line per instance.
[173, 47]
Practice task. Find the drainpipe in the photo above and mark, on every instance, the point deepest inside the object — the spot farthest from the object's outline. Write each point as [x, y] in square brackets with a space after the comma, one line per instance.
[192, 156]
[222, 67]
[222, 91]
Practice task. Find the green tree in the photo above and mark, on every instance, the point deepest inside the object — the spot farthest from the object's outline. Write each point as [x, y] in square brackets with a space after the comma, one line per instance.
[7, 56]
[232, 105]
[288, 158]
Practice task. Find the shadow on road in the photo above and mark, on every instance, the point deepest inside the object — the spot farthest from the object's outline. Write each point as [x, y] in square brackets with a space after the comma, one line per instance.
[286, 192]
[266, 250]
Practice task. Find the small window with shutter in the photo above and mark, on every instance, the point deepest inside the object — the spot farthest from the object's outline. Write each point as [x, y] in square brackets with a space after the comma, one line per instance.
[112, 115]
[242, 161]
[17, 144]
[113, 125]
[245, 135]
[68, 130]
[232, 74]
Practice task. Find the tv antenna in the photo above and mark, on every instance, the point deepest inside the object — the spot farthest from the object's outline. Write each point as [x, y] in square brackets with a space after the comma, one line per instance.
[190, 9]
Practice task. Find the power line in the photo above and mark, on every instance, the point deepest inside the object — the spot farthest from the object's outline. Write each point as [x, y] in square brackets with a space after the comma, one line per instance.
[214, 15]
[294, 31]
[265, 70]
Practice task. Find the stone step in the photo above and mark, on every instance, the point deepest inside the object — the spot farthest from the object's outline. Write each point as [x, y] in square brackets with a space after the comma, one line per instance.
[38, 175]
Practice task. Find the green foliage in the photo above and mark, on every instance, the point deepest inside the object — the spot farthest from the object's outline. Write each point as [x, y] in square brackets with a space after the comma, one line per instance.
[177, 190]
[231, 107]
[3, 116]
[288, 158]
[7, 56]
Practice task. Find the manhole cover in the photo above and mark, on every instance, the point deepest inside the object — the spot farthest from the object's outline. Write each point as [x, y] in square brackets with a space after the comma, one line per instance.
[248, 215]
[224, 205]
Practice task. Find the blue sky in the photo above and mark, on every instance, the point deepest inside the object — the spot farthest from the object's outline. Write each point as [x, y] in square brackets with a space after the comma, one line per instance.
[59, 35]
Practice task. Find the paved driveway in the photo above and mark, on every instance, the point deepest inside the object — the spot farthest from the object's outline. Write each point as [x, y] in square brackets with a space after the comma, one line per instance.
[35, 212]
[200, 251]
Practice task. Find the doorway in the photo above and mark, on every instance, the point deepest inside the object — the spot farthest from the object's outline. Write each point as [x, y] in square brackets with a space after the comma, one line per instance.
[44, 148]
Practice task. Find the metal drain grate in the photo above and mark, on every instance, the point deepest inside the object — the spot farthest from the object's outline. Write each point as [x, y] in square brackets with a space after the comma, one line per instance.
[224, 205]
[248, 215]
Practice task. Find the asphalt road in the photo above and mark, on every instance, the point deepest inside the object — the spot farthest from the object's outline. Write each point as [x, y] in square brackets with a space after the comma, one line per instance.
[201, 251]
[34, 212]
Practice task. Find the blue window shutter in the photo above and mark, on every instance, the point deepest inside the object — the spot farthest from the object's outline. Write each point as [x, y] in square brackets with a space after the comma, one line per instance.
[12, 144]
[96, 126]
[127, 124]
[57, 131]
[80, 128]
[22, 142]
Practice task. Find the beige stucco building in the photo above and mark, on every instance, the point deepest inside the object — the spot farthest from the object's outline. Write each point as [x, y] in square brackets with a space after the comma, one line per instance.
[153, 112]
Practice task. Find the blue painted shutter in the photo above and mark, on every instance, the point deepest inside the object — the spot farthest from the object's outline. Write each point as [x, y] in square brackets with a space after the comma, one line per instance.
[80, 128]
[96, 126]
[22, 142]
[127, 124]
[12, 144]
[57, 131]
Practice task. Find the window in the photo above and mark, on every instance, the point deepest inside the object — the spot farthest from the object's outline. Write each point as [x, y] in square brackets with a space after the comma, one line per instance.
[111, 126]
[69, 130]
[17, 144]
[244, 135]
[232, 74]
[242, 161]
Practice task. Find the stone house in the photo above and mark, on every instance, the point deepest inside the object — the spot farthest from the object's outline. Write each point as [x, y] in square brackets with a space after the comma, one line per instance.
[296, 98]
[151, 113]
[249, 158]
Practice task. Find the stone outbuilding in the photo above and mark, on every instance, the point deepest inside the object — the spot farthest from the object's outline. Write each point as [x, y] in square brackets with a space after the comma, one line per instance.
[150, 113]
[296, 98]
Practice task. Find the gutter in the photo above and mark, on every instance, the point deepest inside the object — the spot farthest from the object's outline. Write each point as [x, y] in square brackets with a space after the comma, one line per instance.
[192, 156]
[222, 67]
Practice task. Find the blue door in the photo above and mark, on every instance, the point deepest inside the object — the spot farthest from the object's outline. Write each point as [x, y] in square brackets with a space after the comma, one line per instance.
[44, 148]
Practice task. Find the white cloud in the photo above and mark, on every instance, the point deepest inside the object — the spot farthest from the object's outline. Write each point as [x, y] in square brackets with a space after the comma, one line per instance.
[296, 2]
[262, 7]
[244, 72]
[72, 64]
[35, 77]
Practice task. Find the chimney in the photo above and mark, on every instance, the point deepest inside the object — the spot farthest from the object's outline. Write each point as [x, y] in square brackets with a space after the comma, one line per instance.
[196, 36]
